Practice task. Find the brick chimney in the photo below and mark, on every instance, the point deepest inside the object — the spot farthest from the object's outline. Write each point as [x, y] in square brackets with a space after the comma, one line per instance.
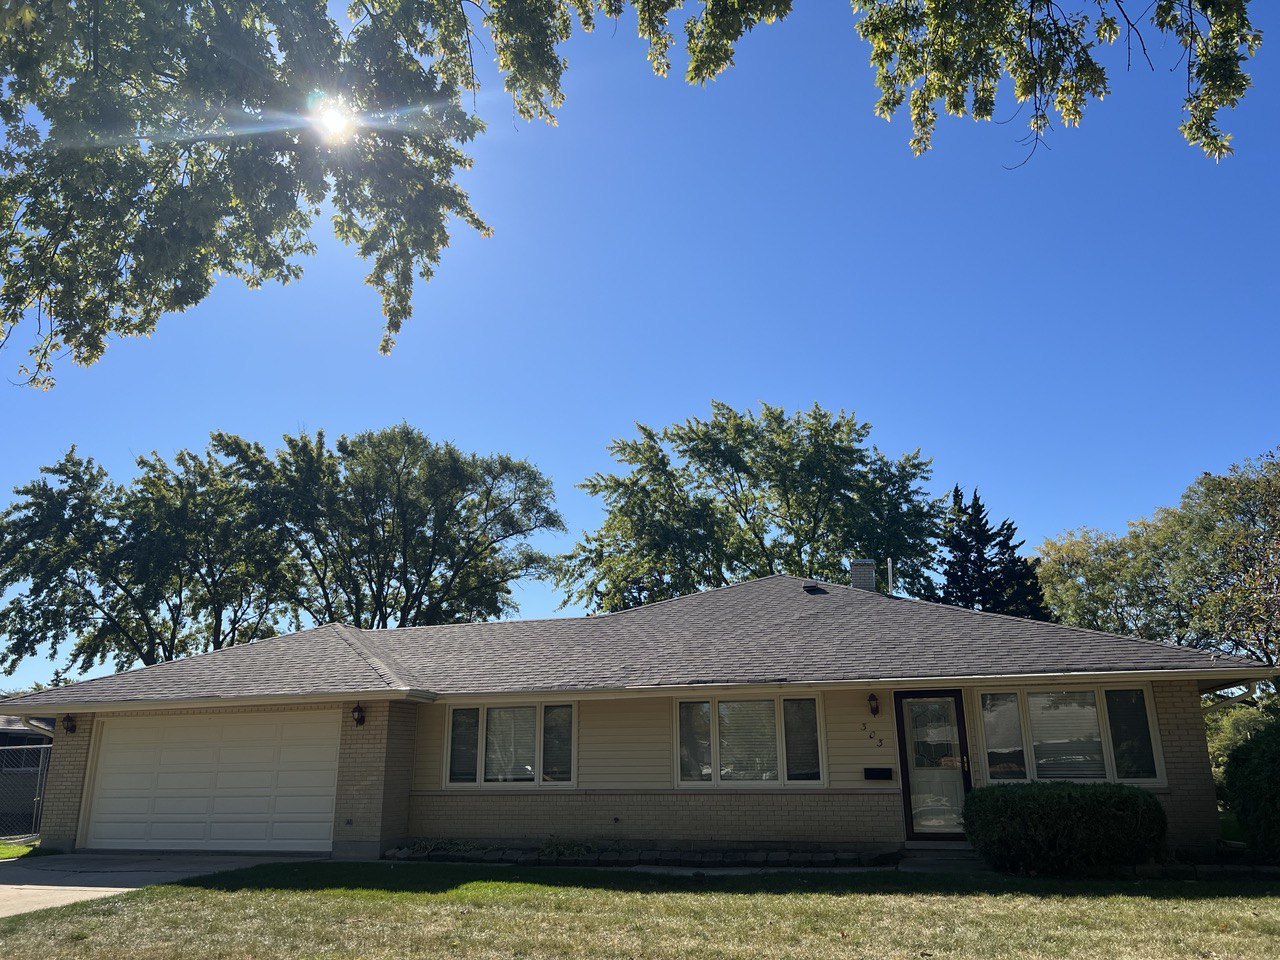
[862, 574]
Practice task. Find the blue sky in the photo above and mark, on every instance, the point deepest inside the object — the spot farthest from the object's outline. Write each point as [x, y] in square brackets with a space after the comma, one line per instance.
[1079, 337]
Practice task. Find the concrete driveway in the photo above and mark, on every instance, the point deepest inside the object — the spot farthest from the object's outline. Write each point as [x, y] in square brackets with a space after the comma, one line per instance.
[33, 883]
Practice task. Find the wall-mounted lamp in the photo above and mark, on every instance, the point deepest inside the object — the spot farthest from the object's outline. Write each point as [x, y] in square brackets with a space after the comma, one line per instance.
[357, 714]
[873, 704]
[69, 724]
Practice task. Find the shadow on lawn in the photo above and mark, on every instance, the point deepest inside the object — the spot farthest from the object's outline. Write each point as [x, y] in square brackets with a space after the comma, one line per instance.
[443, 878]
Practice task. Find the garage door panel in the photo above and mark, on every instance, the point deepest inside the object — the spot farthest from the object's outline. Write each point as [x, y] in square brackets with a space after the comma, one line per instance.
[313, 755]
[124, 806]
[222, 782]
[319, 805]
[247, 753]
[245, 780]
[241, 831]
[184, 780]
[179, 829]
[126, 757]
[296, 779]
[128, 782]
[244, 805]
[183, 757]
[298, 830]
[180, 805]
[118, 830]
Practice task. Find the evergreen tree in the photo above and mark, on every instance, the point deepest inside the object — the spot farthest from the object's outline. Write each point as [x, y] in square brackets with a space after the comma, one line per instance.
[982, 568]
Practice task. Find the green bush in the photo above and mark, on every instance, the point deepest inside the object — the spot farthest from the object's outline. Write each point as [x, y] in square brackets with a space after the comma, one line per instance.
[1228, 727]
[1064, 828]
[1252, 786]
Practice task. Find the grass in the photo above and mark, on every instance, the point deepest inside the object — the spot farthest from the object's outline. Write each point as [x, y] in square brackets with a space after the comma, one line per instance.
[11, 851]
[380, 910]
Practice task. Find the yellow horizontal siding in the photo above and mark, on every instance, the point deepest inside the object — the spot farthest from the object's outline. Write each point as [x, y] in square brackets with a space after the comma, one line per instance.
[625, 743]
[856, 739]
[429, 747]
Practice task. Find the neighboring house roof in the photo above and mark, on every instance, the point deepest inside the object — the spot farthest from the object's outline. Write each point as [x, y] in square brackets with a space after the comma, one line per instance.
[15, 726]
[763, 631]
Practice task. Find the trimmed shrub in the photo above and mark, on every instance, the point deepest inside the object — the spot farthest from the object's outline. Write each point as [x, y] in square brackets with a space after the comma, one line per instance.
[1064, 828]
[1252, 783]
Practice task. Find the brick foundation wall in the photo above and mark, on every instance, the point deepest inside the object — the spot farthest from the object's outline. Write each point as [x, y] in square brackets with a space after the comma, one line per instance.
[64, 786]
[690, 819]
[1190, 801]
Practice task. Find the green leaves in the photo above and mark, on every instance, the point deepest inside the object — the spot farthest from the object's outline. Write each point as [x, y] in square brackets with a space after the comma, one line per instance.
[151, 146]
[1205, 573]
[981, 566]
[181, 560]
[706, 503]
[383, 529]
[389, 529]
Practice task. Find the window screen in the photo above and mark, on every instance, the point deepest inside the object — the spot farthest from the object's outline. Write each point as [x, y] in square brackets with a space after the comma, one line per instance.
[748, 740]
[557, 743]
[1065, 737]
[1002, 725]
[1130, 735]
[510, 744]
[464, 745]
[800, 735]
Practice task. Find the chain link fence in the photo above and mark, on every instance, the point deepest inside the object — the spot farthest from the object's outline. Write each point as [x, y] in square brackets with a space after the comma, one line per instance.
[22, 776]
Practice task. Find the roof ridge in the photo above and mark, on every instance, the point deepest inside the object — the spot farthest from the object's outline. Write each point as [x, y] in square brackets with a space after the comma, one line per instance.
[357, 644]
[703, 593]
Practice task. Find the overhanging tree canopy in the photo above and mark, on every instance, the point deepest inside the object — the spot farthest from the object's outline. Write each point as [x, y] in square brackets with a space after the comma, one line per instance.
[150, 145]
[708, 503]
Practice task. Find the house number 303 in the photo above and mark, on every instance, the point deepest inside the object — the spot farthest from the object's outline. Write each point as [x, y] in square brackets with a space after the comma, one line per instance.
[871, 735]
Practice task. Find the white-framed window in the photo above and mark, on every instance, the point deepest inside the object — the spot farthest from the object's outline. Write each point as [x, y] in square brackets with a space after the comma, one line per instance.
[1095, 733]
[511, 745]
[746, 741]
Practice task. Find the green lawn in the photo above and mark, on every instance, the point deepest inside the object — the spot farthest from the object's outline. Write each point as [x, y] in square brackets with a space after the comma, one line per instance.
[338, 910]
[8, 851]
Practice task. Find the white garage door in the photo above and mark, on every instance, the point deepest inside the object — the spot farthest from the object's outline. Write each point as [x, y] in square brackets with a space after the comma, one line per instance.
[216, 782]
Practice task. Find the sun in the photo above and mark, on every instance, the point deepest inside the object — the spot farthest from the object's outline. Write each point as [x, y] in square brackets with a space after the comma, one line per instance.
[333, 120]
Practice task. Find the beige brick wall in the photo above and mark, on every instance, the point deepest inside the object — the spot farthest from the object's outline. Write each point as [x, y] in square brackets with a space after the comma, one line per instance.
[64, 787]
[375, 769]
[684, 818]
[1190, 801]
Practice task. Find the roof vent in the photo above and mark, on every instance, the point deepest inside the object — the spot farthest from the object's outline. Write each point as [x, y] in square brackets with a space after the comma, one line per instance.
[813, 589]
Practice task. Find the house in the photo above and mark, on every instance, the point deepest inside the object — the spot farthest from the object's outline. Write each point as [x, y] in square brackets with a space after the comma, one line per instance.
[781, 711]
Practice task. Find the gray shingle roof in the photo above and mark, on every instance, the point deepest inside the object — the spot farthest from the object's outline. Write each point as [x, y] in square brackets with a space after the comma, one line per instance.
[762, 631]
[320, 661]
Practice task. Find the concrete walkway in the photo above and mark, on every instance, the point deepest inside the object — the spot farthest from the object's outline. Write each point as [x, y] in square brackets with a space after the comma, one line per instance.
[33, 883]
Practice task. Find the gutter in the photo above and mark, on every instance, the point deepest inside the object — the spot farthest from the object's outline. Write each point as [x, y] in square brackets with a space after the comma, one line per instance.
[126, 706]
[36, 727]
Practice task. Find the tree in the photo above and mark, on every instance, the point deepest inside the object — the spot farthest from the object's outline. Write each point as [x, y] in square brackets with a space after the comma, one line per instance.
[981, 567]
[707, 503]
[389, 529]
[151, 146]
[1205, 573]
[178, 562]
[386, 529]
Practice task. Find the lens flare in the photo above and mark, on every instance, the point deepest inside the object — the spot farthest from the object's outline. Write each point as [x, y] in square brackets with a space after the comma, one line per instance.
[334, 121]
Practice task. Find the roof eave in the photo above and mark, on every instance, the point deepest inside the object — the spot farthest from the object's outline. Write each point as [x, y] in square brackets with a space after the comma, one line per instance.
[1216, 678]
[18, 709]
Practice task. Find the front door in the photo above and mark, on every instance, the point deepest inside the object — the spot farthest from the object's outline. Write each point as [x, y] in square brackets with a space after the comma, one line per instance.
[935, 762]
